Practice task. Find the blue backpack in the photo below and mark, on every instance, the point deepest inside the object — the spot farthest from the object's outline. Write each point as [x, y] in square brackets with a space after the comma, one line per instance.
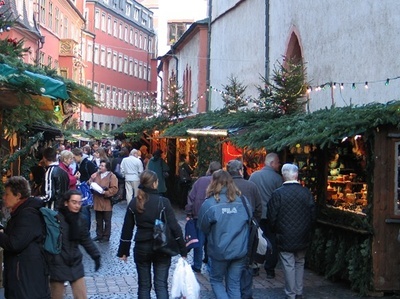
[53, 240]
[87, 196]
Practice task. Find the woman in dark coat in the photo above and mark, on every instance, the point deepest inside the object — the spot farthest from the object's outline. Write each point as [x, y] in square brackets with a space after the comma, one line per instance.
[25, 270]
[161, 168]
[67, 266]
[142, 211]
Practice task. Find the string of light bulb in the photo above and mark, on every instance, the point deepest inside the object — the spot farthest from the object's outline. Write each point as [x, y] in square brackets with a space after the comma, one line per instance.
[353, 85]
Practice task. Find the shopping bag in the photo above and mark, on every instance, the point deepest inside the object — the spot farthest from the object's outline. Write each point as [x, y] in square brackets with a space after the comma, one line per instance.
[257, 242]
[178, 279]
[87, 196]
[184, 282]
[192, 287]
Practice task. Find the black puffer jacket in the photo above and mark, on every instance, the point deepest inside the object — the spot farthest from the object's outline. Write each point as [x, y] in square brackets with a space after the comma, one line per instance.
[67, 266]
[25, 269]
[86, 169]
[291, 212]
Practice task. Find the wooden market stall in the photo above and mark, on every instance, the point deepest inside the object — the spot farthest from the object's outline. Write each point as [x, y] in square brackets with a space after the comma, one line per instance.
[349, 158]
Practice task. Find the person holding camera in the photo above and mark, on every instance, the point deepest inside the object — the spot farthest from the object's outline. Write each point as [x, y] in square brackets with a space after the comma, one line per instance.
[104, 185]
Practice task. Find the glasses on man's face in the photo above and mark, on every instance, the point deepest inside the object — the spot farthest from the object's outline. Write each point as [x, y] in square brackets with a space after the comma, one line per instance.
[76, 202]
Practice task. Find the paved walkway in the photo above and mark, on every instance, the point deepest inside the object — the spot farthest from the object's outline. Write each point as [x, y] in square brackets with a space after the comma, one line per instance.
[118, 280]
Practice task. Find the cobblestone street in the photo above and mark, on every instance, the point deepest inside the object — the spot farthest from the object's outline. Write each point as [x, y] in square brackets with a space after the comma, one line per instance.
[118, 280]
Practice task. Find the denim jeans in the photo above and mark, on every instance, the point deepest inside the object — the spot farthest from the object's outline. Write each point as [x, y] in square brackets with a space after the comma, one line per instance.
[198, 251]
[231, 270]
[246, 282]
[145, 257]
[86, 212]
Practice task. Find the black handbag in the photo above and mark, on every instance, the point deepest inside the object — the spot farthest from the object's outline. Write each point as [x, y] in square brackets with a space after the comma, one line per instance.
[114, 199]
[257, 242]
[163, 239]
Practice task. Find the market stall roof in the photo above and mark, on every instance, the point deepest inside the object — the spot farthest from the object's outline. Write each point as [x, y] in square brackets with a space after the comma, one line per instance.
[80, 138]
[321, 127]
[133, 129]
[49, 130]
[49, 87]
[208, 132]
[216, 122]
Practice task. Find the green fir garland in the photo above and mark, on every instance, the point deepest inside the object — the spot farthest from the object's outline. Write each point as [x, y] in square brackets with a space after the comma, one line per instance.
[209, 149]
[28, 162]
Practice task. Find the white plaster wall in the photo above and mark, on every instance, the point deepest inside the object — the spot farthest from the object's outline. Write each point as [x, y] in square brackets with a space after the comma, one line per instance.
[342, 41]
[237, 46]
[189, 56]
[193, 10]
[219, 7]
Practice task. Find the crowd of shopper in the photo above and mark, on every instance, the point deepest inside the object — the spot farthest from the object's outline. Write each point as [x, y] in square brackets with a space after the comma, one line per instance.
[215, 202]
[286, 213]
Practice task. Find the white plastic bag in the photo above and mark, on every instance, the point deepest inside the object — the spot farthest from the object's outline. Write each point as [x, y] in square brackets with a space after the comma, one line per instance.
[178, 279]
[192, 290]
[262, 243]
[184, 282]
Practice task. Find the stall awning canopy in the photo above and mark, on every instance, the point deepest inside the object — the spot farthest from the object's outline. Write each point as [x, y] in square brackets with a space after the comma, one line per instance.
[208, 132]
[322, 127]
[49, 87]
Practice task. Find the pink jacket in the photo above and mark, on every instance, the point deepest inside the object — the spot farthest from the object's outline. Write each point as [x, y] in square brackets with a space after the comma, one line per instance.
[72, 179]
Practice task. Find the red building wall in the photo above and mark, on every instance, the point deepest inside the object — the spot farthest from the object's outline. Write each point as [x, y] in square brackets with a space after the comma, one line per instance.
[114, 77]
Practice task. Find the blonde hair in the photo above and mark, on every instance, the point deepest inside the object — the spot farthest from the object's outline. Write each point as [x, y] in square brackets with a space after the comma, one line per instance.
[222, 179]
[65, 155]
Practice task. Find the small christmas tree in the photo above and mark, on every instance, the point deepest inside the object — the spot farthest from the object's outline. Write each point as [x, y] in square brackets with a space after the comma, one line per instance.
[8, 46]
[233, 95]
[174, 105]
[284, 95]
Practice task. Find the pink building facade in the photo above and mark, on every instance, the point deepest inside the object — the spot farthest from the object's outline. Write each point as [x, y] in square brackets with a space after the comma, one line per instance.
[106, 45]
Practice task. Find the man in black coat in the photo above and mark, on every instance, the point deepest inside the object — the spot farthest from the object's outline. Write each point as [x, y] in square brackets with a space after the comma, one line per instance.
[268, 180]
[85, 167]
[291, 212]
